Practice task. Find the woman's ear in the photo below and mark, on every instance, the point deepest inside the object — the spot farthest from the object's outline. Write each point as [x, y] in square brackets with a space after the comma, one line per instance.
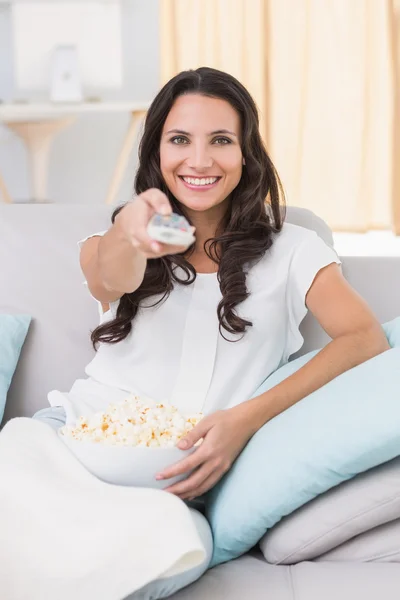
[244, 162]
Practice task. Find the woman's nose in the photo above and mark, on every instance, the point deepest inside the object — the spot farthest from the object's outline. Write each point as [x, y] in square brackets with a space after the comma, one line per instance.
[199, 158]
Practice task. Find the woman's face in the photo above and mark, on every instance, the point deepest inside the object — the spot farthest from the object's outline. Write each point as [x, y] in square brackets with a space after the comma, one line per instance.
[200, 154]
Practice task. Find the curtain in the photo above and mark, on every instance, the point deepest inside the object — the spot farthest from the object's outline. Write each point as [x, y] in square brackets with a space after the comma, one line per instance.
[396, 116]
[325, 77]
[229, 35]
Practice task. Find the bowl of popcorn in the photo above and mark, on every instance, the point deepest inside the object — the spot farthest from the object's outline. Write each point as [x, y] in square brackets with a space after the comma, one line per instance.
[130, 442]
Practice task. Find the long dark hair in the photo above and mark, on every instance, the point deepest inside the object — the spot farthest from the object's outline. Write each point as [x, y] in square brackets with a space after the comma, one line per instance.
[247, 229]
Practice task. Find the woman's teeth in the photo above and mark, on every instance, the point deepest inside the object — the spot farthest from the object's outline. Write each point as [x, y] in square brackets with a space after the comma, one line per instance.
[202, 181]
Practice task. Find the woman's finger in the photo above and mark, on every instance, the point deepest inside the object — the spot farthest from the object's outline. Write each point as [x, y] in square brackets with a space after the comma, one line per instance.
[183, 466]
[204, 487]
[157, 200]
[194, 481]
[196, 434]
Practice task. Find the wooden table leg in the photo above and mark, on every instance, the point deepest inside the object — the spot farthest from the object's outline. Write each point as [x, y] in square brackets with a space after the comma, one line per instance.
[125, 152]
[4, 192]
[38, 137]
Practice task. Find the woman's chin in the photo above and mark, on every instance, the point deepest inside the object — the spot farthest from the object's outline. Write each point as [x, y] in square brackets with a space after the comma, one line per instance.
[199, 204]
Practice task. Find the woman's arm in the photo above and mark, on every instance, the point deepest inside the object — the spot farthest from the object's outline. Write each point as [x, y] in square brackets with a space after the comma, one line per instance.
[115, 263]
[356, 337]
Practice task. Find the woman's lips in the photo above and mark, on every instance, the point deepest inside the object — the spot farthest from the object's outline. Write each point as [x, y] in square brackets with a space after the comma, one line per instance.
[199, 188]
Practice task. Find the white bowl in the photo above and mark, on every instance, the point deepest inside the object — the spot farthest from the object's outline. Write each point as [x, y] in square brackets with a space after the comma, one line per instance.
[127, 465]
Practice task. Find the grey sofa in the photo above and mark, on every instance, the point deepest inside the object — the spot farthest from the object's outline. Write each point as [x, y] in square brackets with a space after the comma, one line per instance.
[40, 275]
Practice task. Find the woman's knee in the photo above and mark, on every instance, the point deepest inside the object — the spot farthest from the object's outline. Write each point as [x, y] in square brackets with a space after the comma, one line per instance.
[166, 586]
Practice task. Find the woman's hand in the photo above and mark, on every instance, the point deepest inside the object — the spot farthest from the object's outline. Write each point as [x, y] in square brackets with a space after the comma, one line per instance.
[224, 433]
[134, 218]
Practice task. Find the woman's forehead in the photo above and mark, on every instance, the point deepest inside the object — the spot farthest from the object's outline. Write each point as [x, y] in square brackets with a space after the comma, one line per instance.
[194, 112]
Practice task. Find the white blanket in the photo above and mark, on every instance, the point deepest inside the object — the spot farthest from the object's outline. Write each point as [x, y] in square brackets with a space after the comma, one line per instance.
[65, 534]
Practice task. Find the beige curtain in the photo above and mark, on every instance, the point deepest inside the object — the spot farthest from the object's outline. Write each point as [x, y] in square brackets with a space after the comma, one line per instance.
[323, 75]
[396, 116]
[225, 34]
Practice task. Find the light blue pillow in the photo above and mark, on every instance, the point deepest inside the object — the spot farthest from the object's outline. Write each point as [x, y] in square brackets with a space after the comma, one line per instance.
[392, 332]
[13, 330]
[346, 427]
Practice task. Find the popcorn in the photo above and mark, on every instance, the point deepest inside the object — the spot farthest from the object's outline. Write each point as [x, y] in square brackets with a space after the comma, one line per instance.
[134, 422]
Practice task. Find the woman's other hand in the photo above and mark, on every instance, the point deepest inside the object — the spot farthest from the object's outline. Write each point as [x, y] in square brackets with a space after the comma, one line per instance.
[224, 434]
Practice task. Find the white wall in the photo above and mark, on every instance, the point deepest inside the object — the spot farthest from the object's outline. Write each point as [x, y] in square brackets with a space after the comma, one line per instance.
[83, 156]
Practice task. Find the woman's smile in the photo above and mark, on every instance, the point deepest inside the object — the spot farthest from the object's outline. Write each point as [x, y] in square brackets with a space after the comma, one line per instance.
[200, 184]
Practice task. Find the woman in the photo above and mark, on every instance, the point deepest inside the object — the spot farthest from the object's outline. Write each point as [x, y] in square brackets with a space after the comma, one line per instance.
[203, 326]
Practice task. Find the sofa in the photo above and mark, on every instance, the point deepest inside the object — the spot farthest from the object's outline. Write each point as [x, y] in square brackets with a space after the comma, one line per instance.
[40, 275]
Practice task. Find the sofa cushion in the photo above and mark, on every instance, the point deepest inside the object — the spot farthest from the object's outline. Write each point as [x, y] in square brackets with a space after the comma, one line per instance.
[251, 577]
[39, 242]
[344, 512]
[344, 428]
[381, 544]
[13, 330]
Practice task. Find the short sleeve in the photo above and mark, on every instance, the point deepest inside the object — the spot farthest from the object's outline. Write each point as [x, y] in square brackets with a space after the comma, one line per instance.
[113, 305]
[98, 233]
[309, 257]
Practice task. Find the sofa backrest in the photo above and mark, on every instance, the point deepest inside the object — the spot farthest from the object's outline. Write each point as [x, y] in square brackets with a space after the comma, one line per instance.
[40, 276]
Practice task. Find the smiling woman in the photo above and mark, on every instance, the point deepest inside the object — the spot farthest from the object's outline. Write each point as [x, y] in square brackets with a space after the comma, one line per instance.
[202, 325]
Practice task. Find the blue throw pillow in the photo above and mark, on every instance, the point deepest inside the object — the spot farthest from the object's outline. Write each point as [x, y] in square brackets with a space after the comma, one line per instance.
[13, 330]
[392, 332]
[346, 427]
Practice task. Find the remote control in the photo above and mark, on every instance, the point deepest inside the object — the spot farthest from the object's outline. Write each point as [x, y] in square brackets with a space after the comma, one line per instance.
[171, 229]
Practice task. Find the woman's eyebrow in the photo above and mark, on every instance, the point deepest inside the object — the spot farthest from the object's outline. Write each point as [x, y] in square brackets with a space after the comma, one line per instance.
[223, 131]
[181, 132]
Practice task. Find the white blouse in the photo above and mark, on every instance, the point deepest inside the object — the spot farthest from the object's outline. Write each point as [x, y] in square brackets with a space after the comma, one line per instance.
[175, 352]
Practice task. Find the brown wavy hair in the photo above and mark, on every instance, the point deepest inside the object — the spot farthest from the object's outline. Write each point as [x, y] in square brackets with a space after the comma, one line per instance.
[245, 233]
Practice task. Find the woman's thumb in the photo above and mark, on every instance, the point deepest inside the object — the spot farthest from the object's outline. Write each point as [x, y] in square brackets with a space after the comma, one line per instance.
[193, 436]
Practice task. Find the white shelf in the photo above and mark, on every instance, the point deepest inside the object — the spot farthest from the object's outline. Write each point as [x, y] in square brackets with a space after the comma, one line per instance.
[47, 111]
[37, 125]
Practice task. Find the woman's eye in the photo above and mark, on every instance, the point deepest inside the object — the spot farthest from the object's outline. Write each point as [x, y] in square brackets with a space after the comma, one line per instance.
[178, 140]
[222, 141]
